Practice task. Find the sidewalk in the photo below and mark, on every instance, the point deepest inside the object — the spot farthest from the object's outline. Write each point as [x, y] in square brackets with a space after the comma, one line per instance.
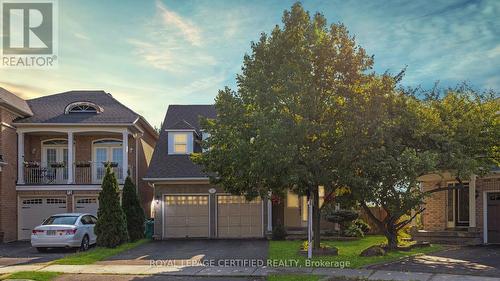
[201, 271]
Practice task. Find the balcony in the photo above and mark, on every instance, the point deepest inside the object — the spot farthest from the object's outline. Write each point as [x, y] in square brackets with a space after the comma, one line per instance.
[73, 156]
[36, 173]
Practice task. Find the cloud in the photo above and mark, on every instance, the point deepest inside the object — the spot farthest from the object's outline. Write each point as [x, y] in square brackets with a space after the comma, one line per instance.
[81, 36]
[171, 43]
[191, 32]
[23, 91]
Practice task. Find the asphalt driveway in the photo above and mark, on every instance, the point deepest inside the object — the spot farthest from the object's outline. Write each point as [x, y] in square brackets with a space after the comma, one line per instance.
[467, 260]
[183, 250]
[21, 252]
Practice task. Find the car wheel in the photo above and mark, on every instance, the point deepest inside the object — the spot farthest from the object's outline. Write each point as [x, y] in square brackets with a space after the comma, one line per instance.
[41, 249]
[85, 243]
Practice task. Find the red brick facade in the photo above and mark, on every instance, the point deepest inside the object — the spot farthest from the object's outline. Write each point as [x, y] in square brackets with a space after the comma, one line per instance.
[8, 175]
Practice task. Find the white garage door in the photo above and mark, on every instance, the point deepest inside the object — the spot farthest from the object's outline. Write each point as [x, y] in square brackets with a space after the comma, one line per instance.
[33, 210]
[238, 218]
[86, 205]
[186, 216]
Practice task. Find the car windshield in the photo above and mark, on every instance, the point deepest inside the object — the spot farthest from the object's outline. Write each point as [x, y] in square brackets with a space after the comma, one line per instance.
[60, 220]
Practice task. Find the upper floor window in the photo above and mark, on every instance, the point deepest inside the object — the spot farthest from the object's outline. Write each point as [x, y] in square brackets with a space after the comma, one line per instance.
[83, 107]
[180, 143]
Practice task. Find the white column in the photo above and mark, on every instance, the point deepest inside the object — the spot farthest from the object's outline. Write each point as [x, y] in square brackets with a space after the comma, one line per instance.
[269, 214]
[70, 158]
[472, 201]
[125, 153]
[20, 157]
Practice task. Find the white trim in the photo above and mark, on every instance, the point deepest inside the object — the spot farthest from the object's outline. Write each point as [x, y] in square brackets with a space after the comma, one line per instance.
[20, 157]
[73, 124]
[7, 125]
[262, 217]
[485, 217]
[60, 187]
[269, 215]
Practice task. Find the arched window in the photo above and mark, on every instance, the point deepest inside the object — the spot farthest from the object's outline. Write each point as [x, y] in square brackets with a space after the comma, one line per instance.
[82, 107]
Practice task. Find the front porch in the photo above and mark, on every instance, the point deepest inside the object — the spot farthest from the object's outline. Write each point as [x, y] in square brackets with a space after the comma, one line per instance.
[451, 237]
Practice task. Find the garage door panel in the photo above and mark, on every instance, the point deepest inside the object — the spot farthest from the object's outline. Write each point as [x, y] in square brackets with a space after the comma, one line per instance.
[238, 218]
[88, 204]
[186, 216]
[34, 210]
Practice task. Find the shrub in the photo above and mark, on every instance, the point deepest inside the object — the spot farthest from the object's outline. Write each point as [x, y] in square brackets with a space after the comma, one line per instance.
[279, 232]
[361, 224]
[134, 214]
[342, 217]
[111, 226]
[353, 231]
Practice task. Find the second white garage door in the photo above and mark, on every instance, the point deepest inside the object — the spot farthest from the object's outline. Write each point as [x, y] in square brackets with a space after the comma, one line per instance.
[238, 218]
[33, 210]
[186, 216]
[88, 205]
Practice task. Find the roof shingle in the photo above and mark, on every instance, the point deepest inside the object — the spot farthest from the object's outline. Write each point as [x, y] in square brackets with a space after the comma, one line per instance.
[50, 109]
[178, 117]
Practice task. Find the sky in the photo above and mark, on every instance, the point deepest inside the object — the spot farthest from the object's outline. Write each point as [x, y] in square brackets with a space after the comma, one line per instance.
[152, 53]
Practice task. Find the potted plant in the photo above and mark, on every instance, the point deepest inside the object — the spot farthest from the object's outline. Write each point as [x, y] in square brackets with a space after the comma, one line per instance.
[110, 164]
[58, 165]
[31, 164]
[82, 164]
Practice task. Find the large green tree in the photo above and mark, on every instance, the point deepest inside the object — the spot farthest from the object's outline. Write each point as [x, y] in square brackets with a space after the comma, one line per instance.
[111, 226]
[275, 132]
[392, 138]
[132, 208]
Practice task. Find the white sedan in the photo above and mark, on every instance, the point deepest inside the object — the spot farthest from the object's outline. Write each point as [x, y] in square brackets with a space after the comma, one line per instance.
[65, 230]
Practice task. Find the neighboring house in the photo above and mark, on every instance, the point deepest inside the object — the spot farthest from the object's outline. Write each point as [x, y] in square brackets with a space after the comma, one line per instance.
[11, 108]
[469, 215]
[187, 205]
[61, 150]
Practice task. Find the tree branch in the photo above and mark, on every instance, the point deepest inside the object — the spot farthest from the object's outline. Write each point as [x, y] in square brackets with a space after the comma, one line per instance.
[367, 210]
[405, 222]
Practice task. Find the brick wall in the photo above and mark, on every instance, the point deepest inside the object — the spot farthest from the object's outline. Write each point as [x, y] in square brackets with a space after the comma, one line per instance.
[8, 176]
[434, 216]
[482, 185]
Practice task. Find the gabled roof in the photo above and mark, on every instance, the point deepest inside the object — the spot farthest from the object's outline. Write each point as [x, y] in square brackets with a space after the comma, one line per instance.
[14, 103]
[51, 109]
[187, 116]
[178, 117]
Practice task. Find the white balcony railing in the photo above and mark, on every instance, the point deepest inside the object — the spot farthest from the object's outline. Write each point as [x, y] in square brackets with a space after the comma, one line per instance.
[57, 173]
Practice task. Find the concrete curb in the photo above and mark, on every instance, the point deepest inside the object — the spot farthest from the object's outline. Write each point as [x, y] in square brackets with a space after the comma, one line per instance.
[200, 271]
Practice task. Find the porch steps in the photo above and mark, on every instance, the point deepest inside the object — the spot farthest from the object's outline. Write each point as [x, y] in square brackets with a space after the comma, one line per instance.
[452, 237]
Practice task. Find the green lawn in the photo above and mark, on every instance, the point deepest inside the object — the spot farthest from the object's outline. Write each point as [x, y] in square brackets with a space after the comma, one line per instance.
[32, 275]
[348, 252]
[98, 254]
[292, 278]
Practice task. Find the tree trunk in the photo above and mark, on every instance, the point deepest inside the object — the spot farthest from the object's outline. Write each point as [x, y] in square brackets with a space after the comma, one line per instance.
[391, 234]
[316, 218]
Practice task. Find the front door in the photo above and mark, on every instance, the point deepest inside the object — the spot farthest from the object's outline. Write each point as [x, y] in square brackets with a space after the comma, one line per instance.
[107, 154]
[55, 161]
[458, 206]
[493, 218]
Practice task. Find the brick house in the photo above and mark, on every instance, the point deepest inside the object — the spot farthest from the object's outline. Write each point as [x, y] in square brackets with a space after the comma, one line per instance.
[468, 215]
[59, 153]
